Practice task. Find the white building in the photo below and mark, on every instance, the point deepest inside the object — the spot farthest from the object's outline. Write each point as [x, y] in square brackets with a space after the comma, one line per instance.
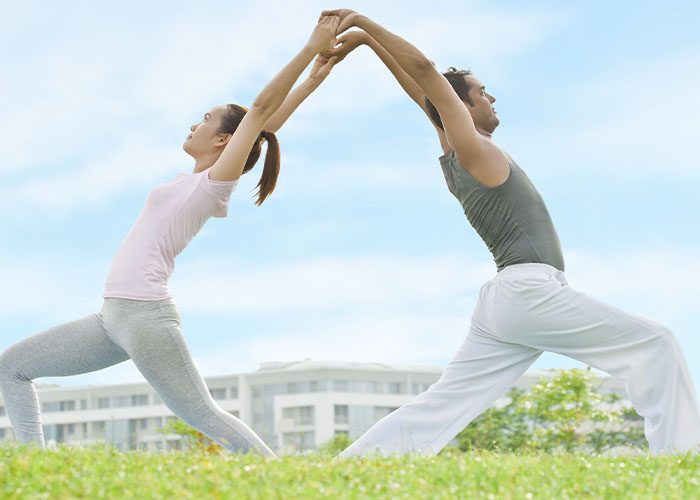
[291, 405]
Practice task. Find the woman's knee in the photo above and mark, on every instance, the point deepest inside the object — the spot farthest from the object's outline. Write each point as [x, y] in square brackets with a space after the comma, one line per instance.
[8, 365]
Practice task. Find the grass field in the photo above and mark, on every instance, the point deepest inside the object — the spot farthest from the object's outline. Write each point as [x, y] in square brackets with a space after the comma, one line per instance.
[102, 472]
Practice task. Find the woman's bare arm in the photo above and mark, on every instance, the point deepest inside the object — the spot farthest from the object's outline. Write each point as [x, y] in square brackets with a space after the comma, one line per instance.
[230, 164]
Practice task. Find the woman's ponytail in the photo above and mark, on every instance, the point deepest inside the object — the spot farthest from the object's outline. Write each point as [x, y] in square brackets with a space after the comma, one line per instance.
[271, 169]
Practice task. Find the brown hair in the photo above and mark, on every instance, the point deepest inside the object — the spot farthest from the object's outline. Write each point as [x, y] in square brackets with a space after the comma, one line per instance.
[459, 84]
[229, 123]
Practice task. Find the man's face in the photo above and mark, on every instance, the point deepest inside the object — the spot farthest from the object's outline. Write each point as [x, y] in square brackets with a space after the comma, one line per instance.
[483, 112]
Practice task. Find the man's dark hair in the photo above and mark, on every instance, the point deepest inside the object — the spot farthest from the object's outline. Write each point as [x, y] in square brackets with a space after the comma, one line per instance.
[459, 83]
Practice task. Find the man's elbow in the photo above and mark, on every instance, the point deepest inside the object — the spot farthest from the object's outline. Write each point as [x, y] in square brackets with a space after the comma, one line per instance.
[422, 68]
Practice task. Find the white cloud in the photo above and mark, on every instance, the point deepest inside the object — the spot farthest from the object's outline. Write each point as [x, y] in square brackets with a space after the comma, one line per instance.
[661, 283]
[68, 102]
[401, 338]
[37, 286]
[224, 286]
[387, 309]
[134, 164]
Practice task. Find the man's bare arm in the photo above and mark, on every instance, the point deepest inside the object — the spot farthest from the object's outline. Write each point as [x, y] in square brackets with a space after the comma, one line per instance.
[351, 40]
[460, 131]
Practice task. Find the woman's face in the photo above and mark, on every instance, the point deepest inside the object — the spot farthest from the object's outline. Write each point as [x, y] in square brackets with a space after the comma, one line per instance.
[205, 138]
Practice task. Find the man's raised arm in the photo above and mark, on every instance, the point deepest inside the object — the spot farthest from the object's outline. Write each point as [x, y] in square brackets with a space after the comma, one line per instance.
[459, 127]
[353, 39]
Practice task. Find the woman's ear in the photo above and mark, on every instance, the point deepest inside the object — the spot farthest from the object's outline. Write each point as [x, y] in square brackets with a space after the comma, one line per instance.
[222, 139]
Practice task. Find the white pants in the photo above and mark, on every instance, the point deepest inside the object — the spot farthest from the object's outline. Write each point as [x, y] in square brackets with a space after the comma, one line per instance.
[527, 309]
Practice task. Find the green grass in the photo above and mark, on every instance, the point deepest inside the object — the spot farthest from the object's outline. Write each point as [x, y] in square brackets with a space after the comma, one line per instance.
[102, 472]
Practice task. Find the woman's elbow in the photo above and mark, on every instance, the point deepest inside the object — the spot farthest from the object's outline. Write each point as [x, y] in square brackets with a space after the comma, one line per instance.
[263, 105]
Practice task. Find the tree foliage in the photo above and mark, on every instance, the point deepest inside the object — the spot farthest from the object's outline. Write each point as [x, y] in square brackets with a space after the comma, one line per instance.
[565, 412]
[191, 438]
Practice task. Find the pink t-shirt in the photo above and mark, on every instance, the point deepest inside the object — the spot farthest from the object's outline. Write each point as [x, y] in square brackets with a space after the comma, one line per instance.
[173, 214]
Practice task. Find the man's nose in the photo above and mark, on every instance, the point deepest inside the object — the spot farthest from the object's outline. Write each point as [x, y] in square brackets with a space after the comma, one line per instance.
[192, 128]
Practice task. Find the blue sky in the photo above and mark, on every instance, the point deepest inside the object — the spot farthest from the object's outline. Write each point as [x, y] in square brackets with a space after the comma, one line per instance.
[361, 253]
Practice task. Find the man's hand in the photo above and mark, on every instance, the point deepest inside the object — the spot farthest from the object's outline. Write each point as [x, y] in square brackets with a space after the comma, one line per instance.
[347, 18]
[324, 34]
[322, 67]
[347, 43]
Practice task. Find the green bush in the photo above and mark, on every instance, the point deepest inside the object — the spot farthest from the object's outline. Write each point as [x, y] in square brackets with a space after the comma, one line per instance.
[335, 445]
[565, 412]
[498, 429]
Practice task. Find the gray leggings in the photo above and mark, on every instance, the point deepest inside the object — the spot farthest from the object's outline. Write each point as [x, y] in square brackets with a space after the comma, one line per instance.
[148, 333]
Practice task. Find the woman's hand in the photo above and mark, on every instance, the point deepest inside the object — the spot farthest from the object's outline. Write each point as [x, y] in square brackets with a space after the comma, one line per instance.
[346, 44]
[323, 35]
[322, 67]
[347, 18]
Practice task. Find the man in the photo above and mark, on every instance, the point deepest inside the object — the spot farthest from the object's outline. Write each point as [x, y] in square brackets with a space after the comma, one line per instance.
[528, 307]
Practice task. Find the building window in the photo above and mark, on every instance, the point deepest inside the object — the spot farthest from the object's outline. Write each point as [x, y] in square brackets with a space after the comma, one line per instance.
[306, 415]
[143, 423]
[71, 428]
[234, 413]
[373, 387]
[234, 392]
[156, 399]
[2, 411]
[50, 406]
[382, 411]
[218, 393]
[341, 414]
[393, 388]
[103, 403]
[83, 404]
[139, 400]
[341, 385]
[301, 415]
[341, 433]
[120, 401]
[299, 440]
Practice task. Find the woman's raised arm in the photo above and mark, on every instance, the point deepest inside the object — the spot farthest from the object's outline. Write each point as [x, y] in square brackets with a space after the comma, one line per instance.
[230, 164]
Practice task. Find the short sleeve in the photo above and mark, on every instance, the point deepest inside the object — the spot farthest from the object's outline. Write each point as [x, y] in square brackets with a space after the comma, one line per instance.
[220, 191]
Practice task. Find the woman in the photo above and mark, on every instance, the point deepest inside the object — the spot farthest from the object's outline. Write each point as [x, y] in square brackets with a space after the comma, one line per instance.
[139, 321]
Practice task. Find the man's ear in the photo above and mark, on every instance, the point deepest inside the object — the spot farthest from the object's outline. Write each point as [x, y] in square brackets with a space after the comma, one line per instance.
[222, 139]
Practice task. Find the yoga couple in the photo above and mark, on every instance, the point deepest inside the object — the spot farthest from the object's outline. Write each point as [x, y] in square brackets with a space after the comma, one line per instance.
[527, 308]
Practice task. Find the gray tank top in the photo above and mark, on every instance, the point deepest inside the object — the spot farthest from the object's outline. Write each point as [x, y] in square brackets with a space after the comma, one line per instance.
[512, 218]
